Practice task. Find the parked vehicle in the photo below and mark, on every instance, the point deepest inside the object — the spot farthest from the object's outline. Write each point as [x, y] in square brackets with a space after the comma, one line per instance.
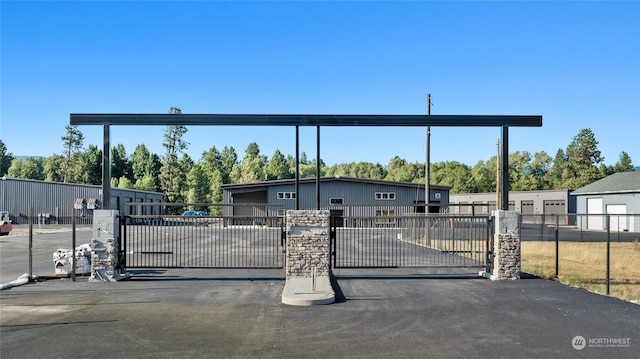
[195, 213]
[5, 223]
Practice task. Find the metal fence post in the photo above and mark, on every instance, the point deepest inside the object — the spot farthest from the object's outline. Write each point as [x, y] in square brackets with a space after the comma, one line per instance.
[557, 250]
[30, 220]
[608, 253]
[489, 246]
[73, 244]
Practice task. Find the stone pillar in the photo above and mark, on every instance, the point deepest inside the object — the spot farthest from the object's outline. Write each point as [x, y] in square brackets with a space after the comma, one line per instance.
[307, 243]
[105, 266]
[505, 264]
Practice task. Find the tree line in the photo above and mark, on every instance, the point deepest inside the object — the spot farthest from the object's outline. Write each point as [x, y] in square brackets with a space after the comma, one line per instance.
[183, 179]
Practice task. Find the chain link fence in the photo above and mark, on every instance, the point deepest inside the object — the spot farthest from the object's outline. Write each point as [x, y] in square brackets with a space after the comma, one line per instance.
[600, 253]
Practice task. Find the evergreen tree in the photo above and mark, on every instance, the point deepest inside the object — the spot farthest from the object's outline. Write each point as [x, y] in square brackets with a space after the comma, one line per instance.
[72, 144]
[120, 163]
[229, 161]
[33, 168]
[146, 183]
[583, 158]
[145, 167]
[88, 168]
[53, 168]
[624, 164]
[125, 182]
[5, 159]
[540, 171]
[15, 170]
[185, 164]
[278, 168]
[557, 170]
[216, 192]
[210, 162]
[198, 188]
[605, 170]
[252, 166]
[171, 178]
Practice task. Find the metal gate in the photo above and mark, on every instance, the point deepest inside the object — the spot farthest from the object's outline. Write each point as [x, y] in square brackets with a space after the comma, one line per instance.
[411, 241]
[202, 242]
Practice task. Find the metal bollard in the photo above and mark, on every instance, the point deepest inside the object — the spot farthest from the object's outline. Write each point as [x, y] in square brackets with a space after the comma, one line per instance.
[314, 274]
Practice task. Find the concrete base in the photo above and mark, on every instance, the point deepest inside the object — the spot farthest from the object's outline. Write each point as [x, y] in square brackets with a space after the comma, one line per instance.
[97, 277]
[299, 291]
[493, 277]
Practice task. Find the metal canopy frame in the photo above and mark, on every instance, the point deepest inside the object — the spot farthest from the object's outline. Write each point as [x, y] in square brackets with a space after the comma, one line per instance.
[503, 121]
[305, 120]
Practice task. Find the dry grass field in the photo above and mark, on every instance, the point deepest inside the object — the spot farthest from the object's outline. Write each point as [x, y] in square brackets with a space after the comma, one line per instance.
[583, 264]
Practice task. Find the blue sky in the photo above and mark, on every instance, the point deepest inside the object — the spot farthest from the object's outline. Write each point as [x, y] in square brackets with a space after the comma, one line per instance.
[575, 63]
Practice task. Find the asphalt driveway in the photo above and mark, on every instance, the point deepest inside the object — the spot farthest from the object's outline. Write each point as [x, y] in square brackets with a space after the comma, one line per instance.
[238, 314]
[385, 313]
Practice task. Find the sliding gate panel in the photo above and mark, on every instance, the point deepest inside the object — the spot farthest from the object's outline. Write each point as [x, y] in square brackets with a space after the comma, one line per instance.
[408, 241]
[203, 242]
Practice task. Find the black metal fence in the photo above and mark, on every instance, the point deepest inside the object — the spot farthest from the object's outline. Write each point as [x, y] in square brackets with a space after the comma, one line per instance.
[411, 241]
[50, 220]
[600, 253]
[202, 242]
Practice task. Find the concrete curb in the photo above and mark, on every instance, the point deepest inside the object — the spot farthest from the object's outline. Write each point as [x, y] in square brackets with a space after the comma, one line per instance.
[299, 291]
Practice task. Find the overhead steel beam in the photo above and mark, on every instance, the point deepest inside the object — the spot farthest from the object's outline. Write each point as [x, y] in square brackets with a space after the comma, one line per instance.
[503, 121]
[304, 120]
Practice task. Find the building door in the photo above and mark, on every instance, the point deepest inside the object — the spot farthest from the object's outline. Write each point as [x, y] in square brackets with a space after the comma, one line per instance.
[553, 207]
[594, 211]
[617, 217]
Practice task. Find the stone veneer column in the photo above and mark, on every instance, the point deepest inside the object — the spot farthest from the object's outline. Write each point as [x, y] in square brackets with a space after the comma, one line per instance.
[307, 243]
[506, 247]
[105, 248]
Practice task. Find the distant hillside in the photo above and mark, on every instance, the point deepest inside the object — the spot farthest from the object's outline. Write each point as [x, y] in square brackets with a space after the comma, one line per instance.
[22, 158]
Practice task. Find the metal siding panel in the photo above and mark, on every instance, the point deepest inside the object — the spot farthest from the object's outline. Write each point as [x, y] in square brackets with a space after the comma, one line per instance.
[48, 197]
[351, 191]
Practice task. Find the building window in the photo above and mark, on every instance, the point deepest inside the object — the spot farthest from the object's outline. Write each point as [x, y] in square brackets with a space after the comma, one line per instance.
[385, 217]
[282, 212]
[335, 201]
[385, 196]
[286, 195]
[385, 212]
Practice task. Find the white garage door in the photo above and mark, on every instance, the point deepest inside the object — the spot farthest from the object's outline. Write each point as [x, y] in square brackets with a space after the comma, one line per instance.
[618, 223]
[594, 206]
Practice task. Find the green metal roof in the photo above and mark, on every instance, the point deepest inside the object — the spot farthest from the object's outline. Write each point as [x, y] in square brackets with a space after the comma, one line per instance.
[620, 182]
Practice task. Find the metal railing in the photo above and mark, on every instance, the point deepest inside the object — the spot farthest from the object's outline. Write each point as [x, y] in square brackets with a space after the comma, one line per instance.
[410, 241]
[175, 241]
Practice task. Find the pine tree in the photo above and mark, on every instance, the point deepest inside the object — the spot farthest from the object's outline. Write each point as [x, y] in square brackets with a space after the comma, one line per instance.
[171, 177]
[583, 159]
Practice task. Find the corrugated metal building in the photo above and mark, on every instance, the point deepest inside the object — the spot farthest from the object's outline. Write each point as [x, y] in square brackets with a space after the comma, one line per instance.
[528, 203]
[54, 202]
[344, 196]
[617, 194]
